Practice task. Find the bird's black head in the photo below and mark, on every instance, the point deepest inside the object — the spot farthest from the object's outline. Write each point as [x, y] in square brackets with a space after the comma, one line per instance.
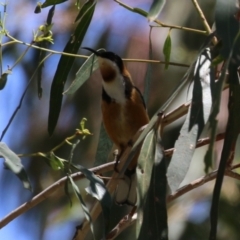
[108, 55]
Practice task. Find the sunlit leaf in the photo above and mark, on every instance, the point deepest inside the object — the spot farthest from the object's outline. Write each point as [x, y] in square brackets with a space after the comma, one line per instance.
[64, 67]
[155, 9]
[13, 163]
[196, 119]
[167, 48]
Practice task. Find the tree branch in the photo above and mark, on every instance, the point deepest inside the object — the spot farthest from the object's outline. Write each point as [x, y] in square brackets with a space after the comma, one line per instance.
[49, 191]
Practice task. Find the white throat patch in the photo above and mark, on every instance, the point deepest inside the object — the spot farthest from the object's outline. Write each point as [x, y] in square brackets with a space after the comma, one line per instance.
[116, 89]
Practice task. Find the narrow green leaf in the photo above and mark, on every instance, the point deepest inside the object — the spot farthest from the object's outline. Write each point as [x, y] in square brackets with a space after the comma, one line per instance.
[83, 74]
[64, 66]
[152, 185]
[84, 207]
[144, 171]
[201, 96]
[155, 9]
[52, 2]
[232, 133]
[98, 190]
[197, 116]
[84, 9]
[167, 48]
[13, 162]
[140, 11]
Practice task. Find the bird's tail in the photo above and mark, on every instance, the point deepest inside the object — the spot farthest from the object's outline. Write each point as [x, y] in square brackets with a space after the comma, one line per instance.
[126, 192]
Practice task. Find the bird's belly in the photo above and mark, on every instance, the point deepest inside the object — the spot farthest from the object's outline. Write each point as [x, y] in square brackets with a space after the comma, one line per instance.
[122, 121]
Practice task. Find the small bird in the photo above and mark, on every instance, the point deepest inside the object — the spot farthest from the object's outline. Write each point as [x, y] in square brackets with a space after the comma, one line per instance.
[124, 113]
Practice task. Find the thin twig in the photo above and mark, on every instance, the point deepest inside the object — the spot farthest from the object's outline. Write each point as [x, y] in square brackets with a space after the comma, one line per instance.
[205, 23]
[126, 221]
[44, 49]
[155, 61]
[21, 100]
[160, 23]
[49, 191]
[14, 41]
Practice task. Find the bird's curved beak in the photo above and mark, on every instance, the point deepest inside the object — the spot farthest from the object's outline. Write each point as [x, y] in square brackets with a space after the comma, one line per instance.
[92, 50]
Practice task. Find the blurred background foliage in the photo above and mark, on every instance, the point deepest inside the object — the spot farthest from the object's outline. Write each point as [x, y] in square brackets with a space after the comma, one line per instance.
[127, 34]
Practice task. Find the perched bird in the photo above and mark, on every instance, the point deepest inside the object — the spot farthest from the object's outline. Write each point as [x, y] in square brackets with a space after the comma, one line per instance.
[124, 113]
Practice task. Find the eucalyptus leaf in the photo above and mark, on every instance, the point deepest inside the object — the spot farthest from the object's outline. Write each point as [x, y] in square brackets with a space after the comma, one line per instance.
[152, 185]
[83, 74]
[83, 204]
[64, 67]
[167, 48]
[13, 163]
[195, 121]
[155, 9]
[48, 3]
[98, 190]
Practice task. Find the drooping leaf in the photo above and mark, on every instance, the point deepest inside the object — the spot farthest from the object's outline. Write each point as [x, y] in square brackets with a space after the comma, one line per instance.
[48, 3]
[13, 163]
[98, 190]
[144, 169]
[152, 185]
[213, 122]
[201, 97]
[83, 74]
[167, 48]
[197, 116]
[64, 66]
[231, 135]
[84, 207]
[155, 9]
